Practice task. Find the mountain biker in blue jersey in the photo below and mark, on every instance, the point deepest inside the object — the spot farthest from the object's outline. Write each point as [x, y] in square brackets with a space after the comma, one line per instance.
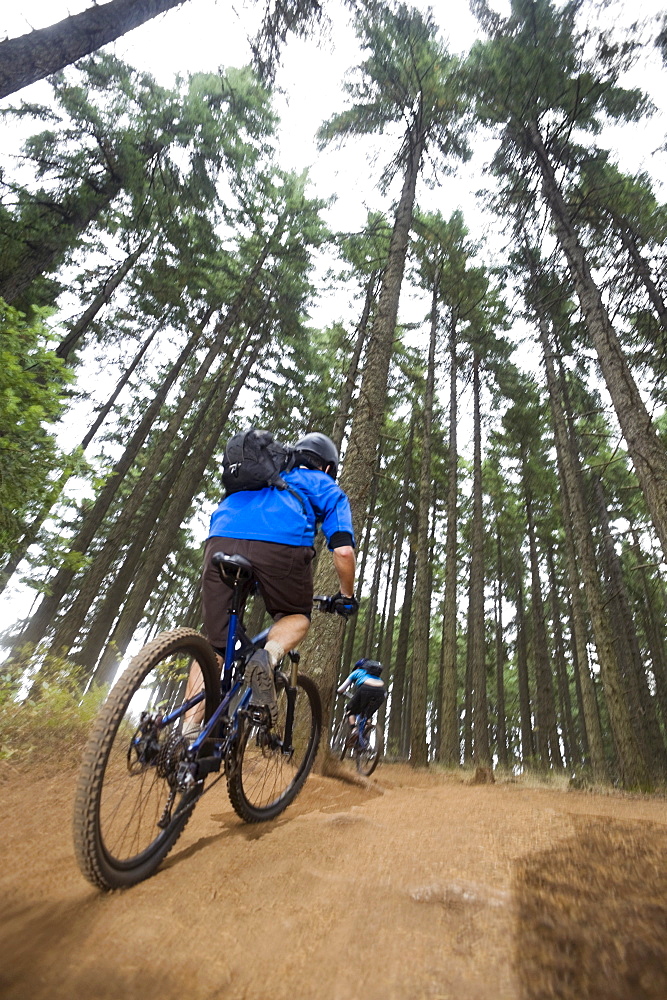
[369, 690]
[275, 529]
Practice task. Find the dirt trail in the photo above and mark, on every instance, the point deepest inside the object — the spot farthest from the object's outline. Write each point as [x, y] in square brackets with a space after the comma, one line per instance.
[417, 886]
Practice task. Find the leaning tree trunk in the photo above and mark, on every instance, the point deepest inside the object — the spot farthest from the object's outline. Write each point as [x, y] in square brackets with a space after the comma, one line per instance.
[45, 257]
[388, 640]
[592, 733]
[569, 737]
[363, 542]
[41, 621]
[653, 628]
[642, 272]
[71, 340]
[185, 488]
[633, 767]
[343, 414]
[640, 699]
[106, 611]
[32, 532]
[373, 598]
[74, 618]
[646, 451]
[527, 743]
[322, 648]
[422, 618]
[40, 53]
[399, 686]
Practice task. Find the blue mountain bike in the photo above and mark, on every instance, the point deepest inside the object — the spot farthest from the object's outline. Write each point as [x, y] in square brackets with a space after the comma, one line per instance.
[361, 747]
[141, 777]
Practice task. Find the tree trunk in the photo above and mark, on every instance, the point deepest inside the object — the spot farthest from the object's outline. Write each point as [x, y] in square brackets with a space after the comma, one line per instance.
[643, 272]
[592, 734]
[42, 620]
[40, 53]
[450, 751]
[185, 488]
[567, 726]
[69, 342]
[38, 260]
[501, 657]
[527, 745]
[399, 686]
[74, 618]
[476, 653]
[343, 415]
[31, 533]
[646, 451]
[633, 768]
[422, 618]
[548, 748]
[322, 647]
[640, 700]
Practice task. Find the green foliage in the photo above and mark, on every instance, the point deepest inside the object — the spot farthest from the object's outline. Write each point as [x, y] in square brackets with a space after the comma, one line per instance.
[53, 726]
[33, 390]
[407, 80]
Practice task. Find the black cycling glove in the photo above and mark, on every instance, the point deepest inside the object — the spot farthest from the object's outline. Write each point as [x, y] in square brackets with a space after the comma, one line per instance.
[346, 607]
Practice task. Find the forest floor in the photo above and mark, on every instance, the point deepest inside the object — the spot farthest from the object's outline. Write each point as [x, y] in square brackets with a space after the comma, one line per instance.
[419, 884]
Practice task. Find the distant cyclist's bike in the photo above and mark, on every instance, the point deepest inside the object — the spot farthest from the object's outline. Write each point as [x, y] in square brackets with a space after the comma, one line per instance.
[362, 748]
[141, 777]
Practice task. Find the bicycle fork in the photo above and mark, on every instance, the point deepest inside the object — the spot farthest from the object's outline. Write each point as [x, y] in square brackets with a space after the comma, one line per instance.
[291, 692]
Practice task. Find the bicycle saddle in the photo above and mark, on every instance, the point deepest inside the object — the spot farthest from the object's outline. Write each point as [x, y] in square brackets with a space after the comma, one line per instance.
[232, 568]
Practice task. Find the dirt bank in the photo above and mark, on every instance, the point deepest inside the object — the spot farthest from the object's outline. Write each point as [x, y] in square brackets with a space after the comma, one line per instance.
[420, 885]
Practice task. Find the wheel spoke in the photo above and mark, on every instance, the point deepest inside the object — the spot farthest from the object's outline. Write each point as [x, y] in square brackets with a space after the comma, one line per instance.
[266, 779]
[129, 772]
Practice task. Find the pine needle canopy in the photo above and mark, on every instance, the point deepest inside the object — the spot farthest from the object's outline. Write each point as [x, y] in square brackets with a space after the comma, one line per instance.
[408, 79]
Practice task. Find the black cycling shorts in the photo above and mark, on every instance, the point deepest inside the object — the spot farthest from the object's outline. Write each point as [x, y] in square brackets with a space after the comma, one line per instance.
[365, 701]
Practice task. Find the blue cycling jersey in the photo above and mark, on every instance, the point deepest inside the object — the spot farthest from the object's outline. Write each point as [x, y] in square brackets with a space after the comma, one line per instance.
[359, 677]
[272, 515]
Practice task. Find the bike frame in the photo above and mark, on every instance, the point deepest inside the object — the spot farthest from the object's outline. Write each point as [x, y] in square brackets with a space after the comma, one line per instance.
[362, 722]
[229, 689]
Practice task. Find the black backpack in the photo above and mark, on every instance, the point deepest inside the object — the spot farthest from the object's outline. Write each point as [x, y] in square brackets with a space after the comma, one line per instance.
[253, 460]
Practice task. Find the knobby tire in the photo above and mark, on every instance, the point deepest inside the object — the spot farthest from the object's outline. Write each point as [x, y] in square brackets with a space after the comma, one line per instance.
[119, 799]
[263, 780]
[367, 760]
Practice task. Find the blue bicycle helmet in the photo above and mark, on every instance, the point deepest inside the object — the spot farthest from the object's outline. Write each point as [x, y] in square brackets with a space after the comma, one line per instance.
[370, 666]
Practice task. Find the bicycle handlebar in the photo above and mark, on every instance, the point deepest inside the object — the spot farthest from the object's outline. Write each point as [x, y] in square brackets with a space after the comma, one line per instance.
[337, 605]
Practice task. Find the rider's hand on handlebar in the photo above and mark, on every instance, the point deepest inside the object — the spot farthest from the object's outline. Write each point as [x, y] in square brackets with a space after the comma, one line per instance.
[346, 607]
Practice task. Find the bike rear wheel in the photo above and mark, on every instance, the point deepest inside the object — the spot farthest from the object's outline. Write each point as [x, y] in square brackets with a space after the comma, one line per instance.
[368, 759]
[129, 810]
[265, 776]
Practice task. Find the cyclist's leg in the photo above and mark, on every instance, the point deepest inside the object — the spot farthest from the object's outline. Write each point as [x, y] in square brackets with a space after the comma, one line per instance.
[285, 581]
[216, 603]
[354, 708]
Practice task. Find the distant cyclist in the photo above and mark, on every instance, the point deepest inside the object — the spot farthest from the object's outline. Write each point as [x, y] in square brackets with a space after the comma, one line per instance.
[369, 690]
[275, 529]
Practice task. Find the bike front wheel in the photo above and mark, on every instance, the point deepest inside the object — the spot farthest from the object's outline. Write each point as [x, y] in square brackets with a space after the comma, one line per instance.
[130, 807]
[339, 739]
[267, 774]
